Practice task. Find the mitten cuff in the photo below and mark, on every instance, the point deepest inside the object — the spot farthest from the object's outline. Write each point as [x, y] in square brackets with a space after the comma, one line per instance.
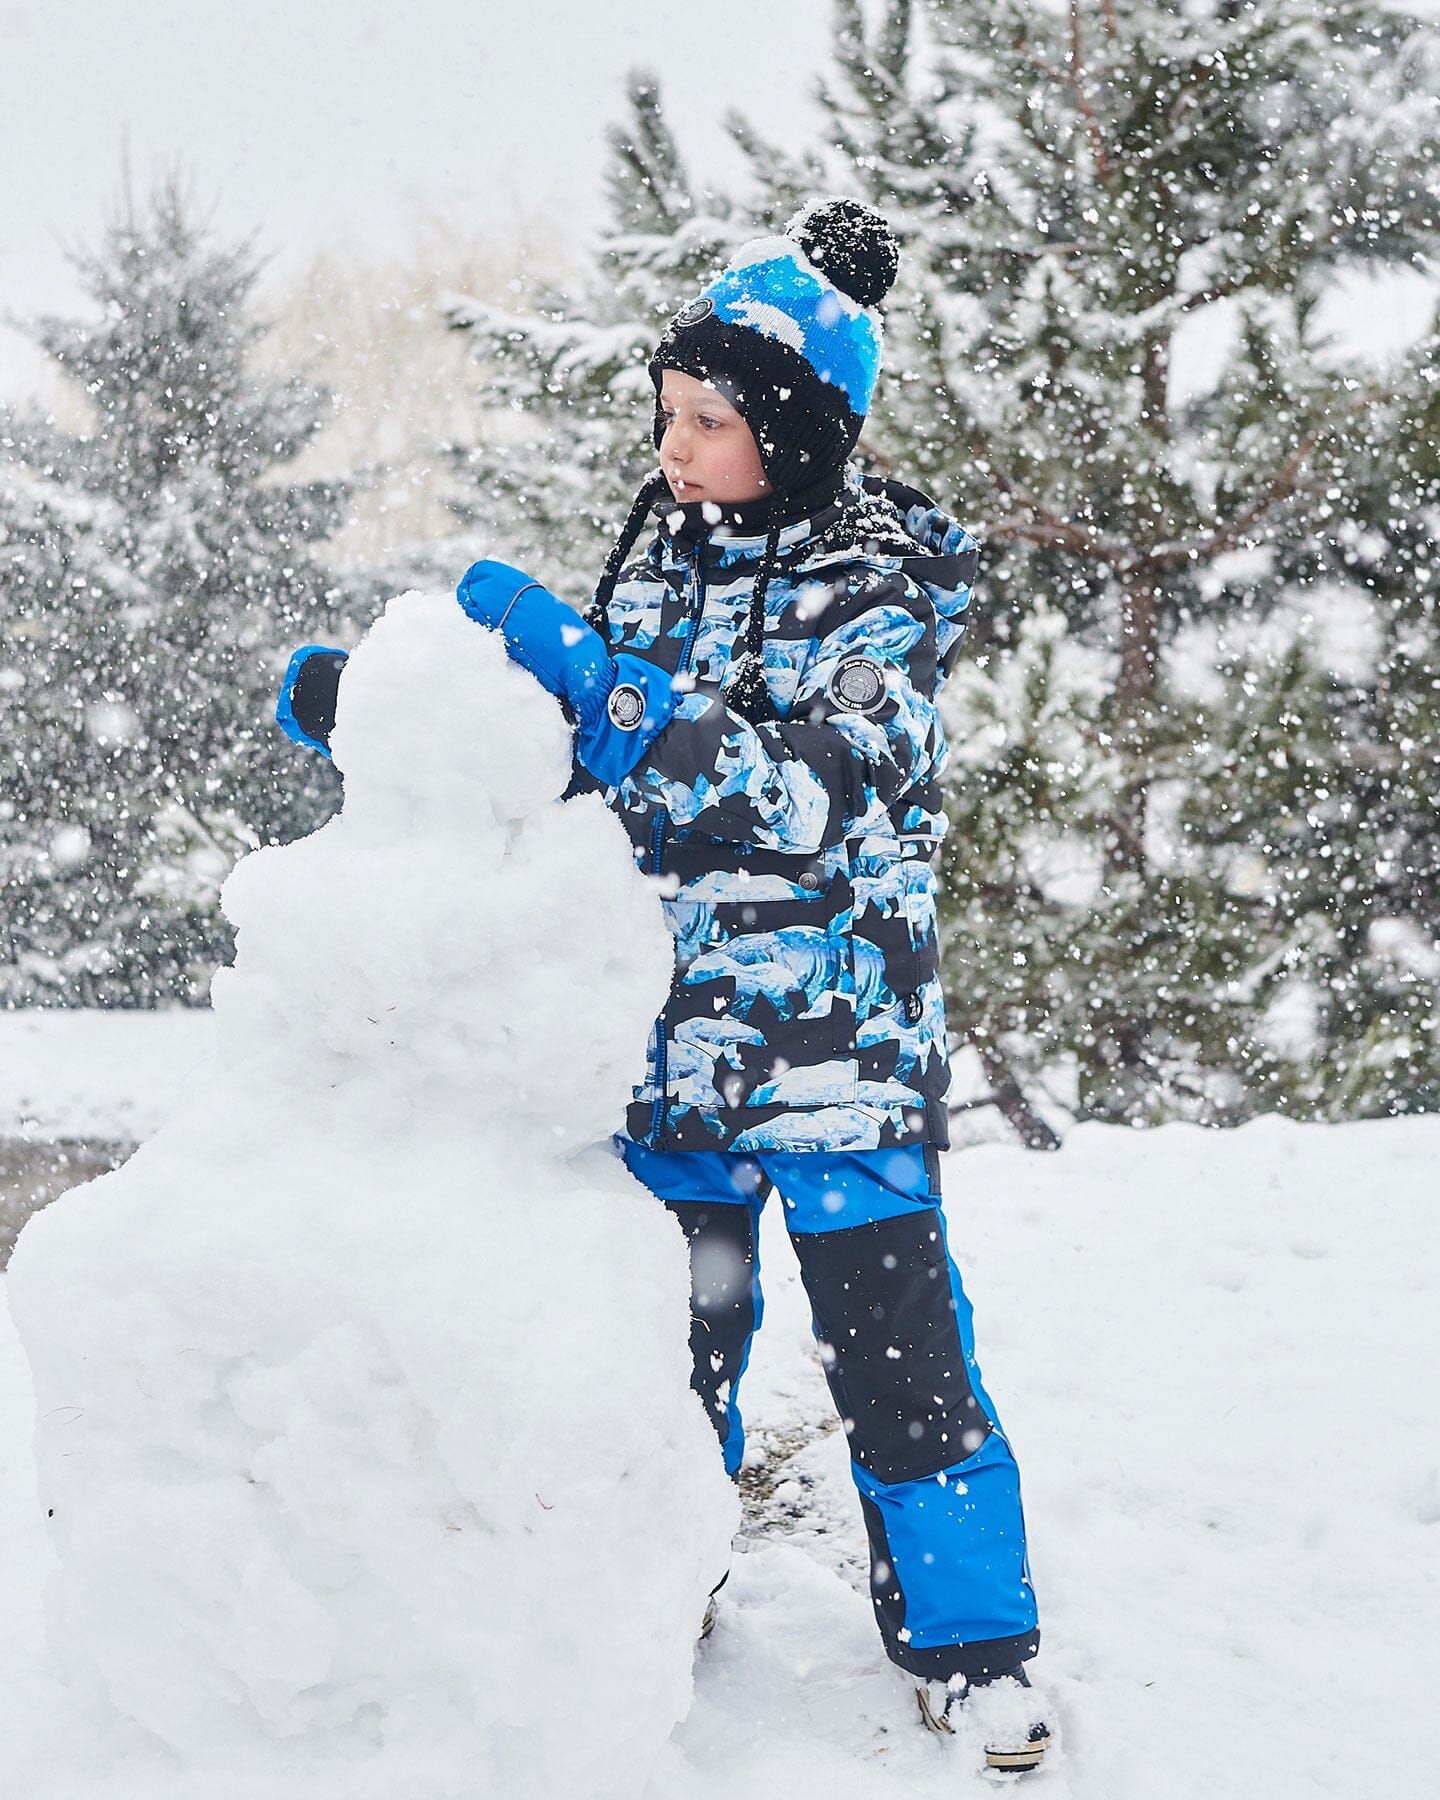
[638, 707]
[305, 710]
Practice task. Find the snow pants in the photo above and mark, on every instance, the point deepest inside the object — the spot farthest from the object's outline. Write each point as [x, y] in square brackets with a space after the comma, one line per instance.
[938, 1485]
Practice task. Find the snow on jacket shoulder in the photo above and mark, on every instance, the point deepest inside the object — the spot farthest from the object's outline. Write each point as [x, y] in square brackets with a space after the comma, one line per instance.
[795, 856]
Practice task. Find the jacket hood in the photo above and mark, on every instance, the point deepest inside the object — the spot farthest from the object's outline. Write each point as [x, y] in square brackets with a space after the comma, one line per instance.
[942, 560]
[884, 524]
[890, 525]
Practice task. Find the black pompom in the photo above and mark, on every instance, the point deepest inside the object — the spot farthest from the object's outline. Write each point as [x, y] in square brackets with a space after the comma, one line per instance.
[850, 244]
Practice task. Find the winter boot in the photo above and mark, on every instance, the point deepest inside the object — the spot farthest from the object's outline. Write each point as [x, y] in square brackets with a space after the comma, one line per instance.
[1002, 1705]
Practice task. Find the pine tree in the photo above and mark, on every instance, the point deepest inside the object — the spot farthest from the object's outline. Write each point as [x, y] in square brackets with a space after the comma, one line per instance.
[155, 569]
[1092, 196]
[552, 493]
[48, 571]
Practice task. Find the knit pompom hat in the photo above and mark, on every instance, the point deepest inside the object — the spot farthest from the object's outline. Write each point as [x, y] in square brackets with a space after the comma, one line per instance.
[789, 334]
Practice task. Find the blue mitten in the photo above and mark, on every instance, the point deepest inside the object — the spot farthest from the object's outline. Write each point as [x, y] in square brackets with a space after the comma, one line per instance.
[305, 710]
[620, 704]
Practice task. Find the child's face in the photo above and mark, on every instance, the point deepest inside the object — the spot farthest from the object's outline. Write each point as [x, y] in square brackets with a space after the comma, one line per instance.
[707, 452]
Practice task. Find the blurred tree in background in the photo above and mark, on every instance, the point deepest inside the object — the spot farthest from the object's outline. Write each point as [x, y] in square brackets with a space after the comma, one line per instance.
[555, 493]
[155, 571]
[1128, 227]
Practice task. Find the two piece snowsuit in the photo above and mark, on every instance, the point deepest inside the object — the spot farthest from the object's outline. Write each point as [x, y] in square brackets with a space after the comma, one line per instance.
[803, 1045]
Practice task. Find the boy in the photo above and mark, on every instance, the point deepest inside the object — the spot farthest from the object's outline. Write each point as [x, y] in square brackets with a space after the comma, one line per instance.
[756, 695]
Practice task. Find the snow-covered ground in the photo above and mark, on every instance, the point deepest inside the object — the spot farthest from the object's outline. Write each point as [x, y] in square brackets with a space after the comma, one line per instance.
[1217, 1354]
[362, 1412]
[114, 1077]
[78, 1089]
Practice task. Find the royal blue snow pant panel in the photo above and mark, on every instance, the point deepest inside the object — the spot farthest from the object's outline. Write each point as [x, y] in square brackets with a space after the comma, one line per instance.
[938, 1486]
[947, 1552]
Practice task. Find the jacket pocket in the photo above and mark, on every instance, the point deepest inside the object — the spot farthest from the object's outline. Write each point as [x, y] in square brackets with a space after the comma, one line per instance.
[897, 948]
[766, 992]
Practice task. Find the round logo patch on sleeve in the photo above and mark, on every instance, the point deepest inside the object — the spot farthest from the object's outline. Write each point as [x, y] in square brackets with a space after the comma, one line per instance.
[625, 707]
[858, 685]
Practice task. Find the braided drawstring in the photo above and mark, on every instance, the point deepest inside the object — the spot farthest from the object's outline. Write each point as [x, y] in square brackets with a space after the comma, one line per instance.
[747, 693]
[598, 611]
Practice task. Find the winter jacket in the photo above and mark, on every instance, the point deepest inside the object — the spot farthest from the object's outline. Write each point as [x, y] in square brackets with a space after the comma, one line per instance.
[795, 857]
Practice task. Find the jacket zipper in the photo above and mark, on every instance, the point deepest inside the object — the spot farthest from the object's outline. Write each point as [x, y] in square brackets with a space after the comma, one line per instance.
[695, 596]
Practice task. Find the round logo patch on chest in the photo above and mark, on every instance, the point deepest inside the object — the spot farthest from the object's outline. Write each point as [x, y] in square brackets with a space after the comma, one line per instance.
[693, 313]
[626, 706]
[858, 685]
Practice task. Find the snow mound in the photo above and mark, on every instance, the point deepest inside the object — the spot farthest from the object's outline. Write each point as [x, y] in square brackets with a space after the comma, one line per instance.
[362, 1388]
[75, 1072]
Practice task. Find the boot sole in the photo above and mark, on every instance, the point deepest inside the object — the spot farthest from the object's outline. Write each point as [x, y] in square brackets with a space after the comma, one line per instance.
[1019, 1761]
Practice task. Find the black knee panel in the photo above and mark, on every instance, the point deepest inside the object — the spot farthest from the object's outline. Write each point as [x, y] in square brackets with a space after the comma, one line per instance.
[722, 1298]
[885, 1318]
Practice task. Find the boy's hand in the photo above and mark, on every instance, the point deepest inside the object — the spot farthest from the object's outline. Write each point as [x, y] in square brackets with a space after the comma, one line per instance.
[305, 710]
[542, 634]
[620, 704]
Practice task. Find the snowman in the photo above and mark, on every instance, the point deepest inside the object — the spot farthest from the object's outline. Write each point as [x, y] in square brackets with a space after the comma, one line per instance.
[364, 1426]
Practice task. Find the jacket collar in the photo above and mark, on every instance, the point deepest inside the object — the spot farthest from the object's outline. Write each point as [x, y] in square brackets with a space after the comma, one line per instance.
[741, 531]
[889, 525]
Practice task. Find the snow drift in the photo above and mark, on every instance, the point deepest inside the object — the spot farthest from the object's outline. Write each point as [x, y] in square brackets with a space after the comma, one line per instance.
[362, 1389]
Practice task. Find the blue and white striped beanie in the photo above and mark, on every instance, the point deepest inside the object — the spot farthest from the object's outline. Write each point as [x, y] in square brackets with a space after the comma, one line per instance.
[788, 332]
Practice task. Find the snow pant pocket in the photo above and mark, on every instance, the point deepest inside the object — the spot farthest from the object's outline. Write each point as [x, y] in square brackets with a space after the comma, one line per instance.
[890, 1340]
